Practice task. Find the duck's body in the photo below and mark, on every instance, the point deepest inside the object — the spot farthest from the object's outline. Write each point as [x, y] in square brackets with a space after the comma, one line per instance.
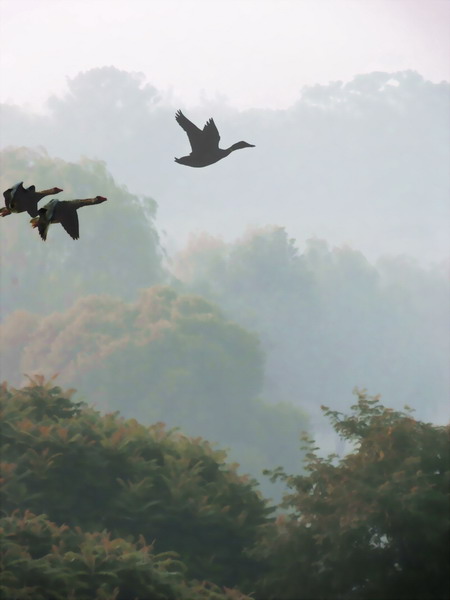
[204, 143]
[64, 212]
[19, 199]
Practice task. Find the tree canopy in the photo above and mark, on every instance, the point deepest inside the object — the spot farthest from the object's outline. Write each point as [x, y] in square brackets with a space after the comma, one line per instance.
[98, 506]
[371, 525]
[94, 473]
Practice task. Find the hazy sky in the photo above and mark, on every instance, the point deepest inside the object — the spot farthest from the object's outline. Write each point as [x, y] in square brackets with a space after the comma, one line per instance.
[256, 53]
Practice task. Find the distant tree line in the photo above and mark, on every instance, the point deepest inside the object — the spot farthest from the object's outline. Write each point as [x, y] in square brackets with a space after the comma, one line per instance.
[328, 319]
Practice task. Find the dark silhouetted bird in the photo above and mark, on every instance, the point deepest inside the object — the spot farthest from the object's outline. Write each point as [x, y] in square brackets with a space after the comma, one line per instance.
[204, 143]
[64, 212]
[19, 199]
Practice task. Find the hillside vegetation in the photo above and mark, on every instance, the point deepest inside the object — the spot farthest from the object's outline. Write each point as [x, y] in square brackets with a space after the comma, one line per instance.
[99, 507]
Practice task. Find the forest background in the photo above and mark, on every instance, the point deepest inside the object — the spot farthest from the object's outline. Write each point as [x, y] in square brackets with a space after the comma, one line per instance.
[188, 301]
[228, 304]
[218, 309]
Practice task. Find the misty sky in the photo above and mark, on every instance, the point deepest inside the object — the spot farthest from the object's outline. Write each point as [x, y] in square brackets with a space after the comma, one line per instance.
[255, 53]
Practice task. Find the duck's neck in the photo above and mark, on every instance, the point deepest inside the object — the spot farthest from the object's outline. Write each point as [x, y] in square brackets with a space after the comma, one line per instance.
[49, 192]
[236, 146]
[231, 149]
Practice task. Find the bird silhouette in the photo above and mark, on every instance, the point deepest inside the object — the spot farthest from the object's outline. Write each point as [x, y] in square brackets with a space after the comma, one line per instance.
[204, 143]
[64, 212]
[19, 199]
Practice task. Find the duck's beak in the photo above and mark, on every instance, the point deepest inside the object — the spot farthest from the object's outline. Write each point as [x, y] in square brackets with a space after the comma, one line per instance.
[4, 212]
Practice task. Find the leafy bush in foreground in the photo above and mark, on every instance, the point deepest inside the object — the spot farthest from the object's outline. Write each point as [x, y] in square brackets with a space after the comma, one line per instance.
[42, 561]
[374, 525]
[62, 459]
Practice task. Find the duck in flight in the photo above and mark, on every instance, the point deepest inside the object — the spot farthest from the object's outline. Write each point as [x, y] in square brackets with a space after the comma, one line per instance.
[19, 199]
[204, 143]
[64, 212]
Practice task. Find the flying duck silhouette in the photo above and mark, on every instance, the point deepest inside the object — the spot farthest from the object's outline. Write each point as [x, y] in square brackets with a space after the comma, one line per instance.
[204, 143]
[19, 199]
[64, 212]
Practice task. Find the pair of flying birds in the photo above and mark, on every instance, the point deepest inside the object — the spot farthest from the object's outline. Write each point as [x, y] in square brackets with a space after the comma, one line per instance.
[205, 151]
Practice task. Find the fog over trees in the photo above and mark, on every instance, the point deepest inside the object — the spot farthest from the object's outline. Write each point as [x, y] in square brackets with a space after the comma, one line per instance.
[330, 320]
[364, 163]
[218, 310]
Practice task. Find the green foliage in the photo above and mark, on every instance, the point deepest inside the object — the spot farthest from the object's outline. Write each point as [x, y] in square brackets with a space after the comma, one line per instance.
[373, 525]
[47, 276]
[64, 460]
[40, 560]
[168, 357]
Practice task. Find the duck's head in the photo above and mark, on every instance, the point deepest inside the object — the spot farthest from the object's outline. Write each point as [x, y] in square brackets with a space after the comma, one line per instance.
[240, 145]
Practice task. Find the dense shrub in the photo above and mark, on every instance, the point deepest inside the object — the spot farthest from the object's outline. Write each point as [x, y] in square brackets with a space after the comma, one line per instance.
[63, 459]
[373, 525]
[42, 561]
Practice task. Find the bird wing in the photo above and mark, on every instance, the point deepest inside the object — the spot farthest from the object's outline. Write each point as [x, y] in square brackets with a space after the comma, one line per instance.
[43, 228]
[193, 132]
[66, 214]
[211, 133]
[10, 192]
[18, 199]
[7, 197]
[32, 208]
[18, 188]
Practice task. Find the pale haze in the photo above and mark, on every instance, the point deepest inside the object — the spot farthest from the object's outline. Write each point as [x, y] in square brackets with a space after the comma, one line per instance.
[231, 300]
[224, 298]
[254, 53]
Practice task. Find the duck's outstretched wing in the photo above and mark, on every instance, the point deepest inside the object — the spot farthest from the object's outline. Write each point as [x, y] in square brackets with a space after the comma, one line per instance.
[43, 228]
[66, 213]
[211, 134]
[13, 197]
[15, 189]
[193, 132]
